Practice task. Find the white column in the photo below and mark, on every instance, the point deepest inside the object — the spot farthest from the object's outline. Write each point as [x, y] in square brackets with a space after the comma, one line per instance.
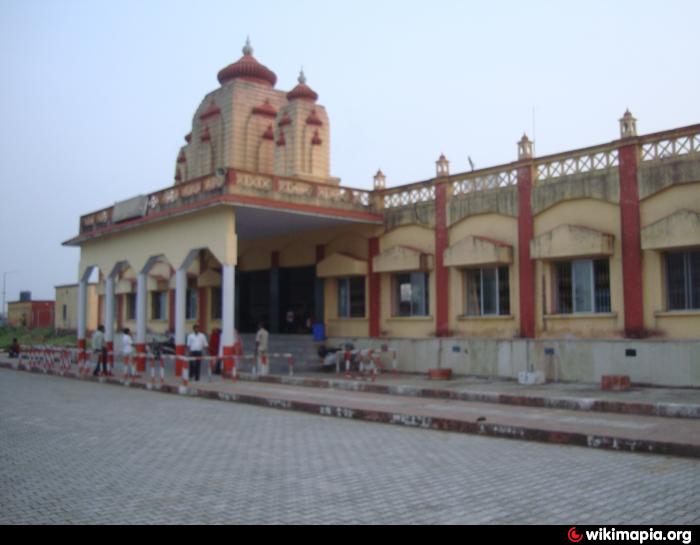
[82, 311]
[228, 291]
[180, 306]
[141, 304]
[109, 309]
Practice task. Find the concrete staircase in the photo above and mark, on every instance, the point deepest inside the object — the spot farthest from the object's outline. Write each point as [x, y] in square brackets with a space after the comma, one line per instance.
[302, 347]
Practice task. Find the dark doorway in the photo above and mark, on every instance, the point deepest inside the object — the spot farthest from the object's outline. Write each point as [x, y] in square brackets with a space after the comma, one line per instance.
[297, 297]
[253, 293]
[293, 297]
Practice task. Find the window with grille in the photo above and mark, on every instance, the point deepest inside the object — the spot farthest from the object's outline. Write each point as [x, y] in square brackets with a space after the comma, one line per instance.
[488, 292]
[351, 297]
[411, 297]
[159, 305]
[683, 280]
[582, 286]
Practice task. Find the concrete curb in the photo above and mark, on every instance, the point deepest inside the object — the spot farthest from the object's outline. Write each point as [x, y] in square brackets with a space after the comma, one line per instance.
[408, 420]
[668, 410]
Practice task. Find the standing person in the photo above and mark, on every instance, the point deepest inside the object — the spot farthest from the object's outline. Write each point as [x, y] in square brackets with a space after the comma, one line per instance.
[196, 344]
[290, 321]
[14, 348]
[99, 348]
[214, 342]
[127, 351]
[262, 338]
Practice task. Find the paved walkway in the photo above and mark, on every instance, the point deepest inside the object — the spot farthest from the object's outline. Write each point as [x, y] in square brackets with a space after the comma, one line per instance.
[625, 432]
[77, 452]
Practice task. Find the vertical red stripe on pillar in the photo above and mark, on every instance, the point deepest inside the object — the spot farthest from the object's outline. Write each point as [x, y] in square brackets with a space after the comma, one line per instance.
[171, 310]
[442, 276]
[374, 291]
[525, 263]
[202, 308]
[631, 241]
[180, 350]
[141, 358]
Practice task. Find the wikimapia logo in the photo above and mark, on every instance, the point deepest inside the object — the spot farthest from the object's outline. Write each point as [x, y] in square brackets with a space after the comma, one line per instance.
[636, 536]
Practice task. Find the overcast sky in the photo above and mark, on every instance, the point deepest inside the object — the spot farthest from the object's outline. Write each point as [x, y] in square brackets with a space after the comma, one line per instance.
[96, 96]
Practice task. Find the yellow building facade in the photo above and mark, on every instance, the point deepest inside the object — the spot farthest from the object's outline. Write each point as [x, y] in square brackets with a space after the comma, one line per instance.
[597, 244]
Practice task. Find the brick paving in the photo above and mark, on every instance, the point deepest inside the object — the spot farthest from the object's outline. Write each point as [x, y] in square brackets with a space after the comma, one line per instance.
[79, 452]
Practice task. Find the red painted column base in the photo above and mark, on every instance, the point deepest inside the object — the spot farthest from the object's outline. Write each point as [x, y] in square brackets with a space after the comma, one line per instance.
[180, 350]
[141, 358]
[229, 362]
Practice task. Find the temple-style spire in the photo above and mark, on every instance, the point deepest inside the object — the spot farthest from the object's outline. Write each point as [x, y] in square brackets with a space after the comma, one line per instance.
[302, 91]
[247, 48]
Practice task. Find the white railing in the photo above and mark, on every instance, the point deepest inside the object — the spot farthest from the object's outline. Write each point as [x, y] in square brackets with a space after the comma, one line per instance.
[485, 182]
[409, 196]
[671, 147]
[577, 164]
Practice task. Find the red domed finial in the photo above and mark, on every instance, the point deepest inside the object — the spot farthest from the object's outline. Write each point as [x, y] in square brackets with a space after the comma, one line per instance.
[249, 69]
[302, 91]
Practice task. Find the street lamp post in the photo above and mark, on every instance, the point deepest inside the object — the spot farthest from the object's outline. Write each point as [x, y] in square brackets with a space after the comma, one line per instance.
[4, 292]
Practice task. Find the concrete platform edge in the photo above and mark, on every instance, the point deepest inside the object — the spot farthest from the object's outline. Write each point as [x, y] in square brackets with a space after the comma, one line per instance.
[408, 420]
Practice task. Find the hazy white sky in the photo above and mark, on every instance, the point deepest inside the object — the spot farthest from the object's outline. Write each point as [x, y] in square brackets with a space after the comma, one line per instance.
[96, 96]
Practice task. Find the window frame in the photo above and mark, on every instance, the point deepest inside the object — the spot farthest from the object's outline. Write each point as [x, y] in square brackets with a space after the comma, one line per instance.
[345, 292]
[688, 272]
[396, 291]
[600, 298]
[502, 306]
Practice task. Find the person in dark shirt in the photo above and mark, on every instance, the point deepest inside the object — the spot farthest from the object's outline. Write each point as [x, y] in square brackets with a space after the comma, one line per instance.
[14, 349]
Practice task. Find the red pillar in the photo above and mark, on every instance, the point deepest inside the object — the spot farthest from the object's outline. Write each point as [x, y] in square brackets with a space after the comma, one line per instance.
[374, 291]
[171, 310]
[202, 308]
[442, 273]
[525, 263]
[631, 240]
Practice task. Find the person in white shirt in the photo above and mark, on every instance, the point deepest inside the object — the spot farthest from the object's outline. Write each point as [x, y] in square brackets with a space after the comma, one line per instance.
[128, 353]
[196, 344]
[261, 346]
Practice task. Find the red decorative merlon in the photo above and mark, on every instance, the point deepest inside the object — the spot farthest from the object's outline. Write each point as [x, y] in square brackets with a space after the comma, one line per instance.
[178, 178]
[206, 137]
[211, 111]
[442, 276]
[281, 141]
[286, 120]
[188, 137]
[525, 263]
[630, 220]
[313, 119]
[316, 140]
[374, 291]
[181, 157]
[266, 110]
[269, 134]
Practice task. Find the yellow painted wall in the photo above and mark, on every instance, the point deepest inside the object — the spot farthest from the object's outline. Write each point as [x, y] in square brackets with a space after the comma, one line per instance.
[657, 319]
[68, 296]
[497, 227]
[593, 214]
[422, 239]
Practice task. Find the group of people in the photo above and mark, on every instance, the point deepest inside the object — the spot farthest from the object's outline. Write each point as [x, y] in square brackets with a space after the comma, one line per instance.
[198, 345]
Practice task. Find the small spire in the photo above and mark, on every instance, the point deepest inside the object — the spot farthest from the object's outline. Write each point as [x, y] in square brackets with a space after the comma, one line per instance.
[247, 49]
[525, 148]
[302, 77]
